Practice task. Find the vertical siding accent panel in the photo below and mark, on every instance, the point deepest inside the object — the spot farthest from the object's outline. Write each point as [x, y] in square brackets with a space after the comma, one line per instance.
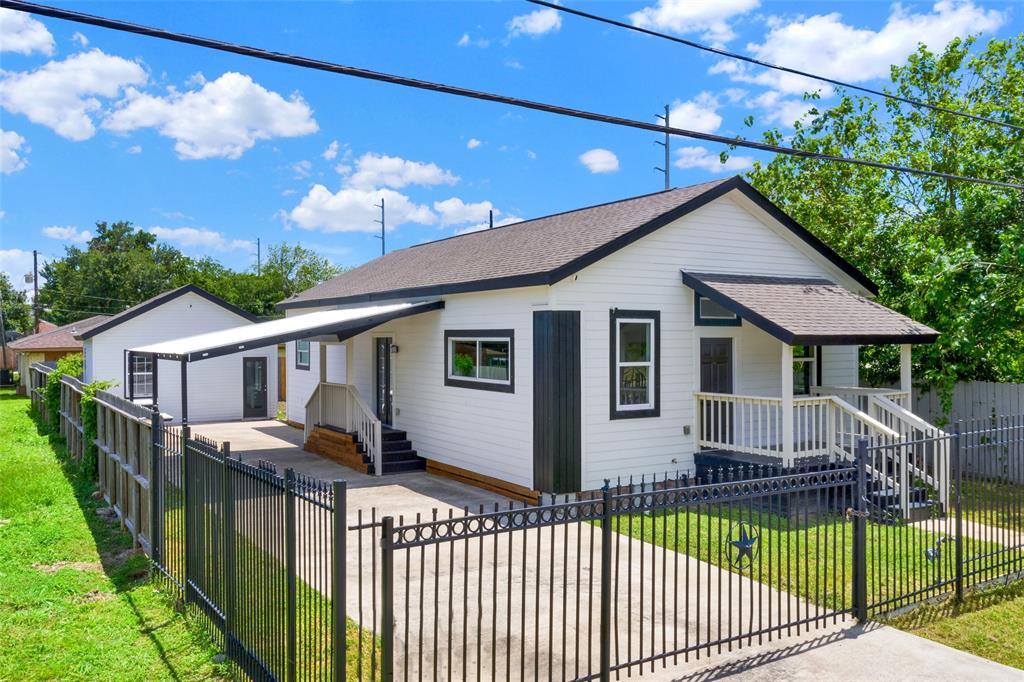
[557, 401]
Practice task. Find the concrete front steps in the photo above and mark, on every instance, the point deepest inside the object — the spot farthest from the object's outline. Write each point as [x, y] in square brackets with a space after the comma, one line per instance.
[346, 448]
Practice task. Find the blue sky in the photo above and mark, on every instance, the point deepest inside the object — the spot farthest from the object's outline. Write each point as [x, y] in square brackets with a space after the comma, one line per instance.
[211, 151]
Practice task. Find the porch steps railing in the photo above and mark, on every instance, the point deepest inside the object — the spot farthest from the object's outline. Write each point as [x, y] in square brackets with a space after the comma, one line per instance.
[341, 406]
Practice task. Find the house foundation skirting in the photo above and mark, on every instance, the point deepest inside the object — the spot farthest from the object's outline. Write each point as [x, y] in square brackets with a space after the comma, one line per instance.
[495, 485]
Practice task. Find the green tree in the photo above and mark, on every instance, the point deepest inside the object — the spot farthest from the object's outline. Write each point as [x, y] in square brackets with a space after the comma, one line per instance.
[947, 253]
[17, 313]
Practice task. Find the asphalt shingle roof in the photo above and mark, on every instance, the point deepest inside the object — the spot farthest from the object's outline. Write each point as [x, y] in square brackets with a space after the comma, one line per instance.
[61, 338]
[808, 311]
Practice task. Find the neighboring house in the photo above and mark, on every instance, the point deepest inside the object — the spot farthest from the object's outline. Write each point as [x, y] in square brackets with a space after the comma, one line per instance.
[226, 388]
[49, 345]
[624, 338]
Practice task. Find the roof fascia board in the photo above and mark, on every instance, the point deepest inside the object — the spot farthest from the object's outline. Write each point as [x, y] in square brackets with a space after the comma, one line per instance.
[158, 301]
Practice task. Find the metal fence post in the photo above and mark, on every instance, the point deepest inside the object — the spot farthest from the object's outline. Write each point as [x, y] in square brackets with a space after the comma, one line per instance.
[289, 540]
[860, 554]
[338, 578]
[387, 600]
[958, 501]
[186, 435]
[606, 583]
[156, 427]
[228, 542]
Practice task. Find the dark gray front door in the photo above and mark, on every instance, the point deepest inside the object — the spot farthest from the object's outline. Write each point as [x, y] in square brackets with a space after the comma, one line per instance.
[383, 371]
[716, 377]
[254, 387]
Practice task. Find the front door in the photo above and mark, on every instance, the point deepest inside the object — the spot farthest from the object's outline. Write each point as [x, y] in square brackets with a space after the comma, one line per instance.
[385, 392]
[716, 377]
[254, 387]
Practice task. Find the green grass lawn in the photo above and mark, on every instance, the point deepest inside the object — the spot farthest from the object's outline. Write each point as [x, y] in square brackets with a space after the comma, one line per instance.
[987, 623]
[994, 502]
[75, 602]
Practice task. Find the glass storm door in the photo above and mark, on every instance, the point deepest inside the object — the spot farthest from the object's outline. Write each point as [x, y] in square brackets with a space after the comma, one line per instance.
[254, 387]
[384, 383]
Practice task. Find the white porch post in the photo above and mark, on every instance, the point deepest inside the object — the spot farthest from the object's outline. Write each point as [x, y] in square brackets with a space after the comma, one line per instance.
[905, 375]
[787, 404]
[323, 379]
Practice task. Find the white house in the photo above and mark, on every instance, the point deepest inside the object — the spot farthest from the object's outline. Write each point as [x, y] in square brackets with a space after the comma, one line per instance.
[237, 386]
[624, 338]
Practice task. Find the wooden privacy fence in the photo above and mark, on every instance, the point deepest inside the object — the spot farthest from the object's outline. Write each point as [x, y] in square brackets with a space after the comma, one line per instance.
[71, 428]
[971, 400]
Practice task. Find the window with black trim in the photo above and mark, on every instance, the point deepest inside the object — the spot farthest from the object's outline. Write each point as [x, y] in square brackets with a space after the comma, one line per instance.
[302, 354]
[635, 346]
[142, 376]
[480, 358]
[708, 313]
[805, 362]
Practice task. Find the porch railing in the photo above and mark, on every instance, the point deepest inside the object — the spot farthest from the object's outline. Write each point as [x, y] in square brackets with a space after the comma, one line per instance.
[341, 406]
[860, 396]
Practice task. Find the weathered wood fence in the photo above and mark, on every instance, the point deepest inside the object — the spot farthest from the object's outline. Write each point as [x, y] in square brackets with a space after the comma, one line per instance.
[70, 423]
[38, 373]
[971, 400]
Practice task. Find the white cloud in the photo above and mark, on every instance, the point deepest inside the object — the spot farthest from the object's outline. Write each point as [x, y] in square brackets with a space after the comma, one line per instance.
[479, 227]
[780, 109]
[530, 154]
[63, 94]
[473, 143]
[699, 113]
[20, 33]
[535, 23]
[352, 209]
[17, 262]
[12, 156]
[825, 45]
[378, 170]
[700, 157]
[80, 38]
[600, 161]
[302, 168]
[67, 234]
[467, 41]
[343, 169]
[201, 238]
[708, 17]
[135, 149]
[331, 152]
[455, 211]
[514, 64]
[224, 118]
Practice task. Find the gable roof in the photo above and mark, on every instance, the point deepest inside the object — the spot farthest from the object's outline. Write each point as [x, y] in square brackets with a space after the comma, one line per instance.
[159, 300]
[808, 311]
[534, 252]
[59, 338]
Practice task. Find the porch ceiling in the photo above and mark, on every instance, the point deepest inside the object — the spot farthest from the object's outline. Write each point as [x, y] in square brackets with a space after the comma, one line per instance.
[808, 311]
[337, 324]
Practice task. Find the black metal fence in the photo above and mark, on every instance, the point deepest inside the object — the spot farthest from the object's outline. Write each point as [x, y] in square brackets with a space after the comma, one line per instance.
[638, 576]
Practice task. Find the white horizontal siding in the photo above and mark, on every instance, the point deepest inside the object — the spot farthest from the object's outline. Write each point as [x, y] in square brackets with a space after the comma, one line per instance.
[724, 236]
[840, 366]
[302, 382]
[215, 385]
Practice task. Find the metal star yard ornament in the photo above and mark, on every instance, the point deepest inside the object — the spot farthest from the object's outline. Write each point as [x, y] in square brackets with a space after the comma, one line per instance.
[744, 538]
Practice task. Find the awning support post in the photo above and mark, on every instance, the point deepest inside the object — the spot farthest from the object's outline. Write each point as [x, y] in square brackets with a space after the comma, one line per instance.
[905, 369]
[184, 392]
[787, 405]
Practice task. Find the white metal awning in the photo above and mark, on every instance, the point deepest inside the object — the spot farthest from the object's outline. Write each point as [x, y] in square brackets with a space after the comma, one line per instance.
[338, 324]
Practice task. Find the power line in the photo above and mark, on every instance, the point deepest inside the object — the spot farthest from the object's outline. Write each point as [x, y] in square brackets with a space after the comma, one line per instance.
[356, 72]
[769, 65]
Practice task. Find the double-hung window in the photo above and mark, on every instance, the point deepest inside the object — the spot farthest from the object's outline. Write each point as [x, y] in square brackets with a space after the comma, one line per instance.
[635, 353]
[302, 354]
[142, 376]
[805, 364]
[481, 359]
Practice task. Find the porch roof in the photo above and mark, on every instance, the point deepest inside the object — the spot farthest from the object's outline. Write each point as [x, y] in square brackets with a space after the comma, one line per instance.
[808, 311]
[337, 324]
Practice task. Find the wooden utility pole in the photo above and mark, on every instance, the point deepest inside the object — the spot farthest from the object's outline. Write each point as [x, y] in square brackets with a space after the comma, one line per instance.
[35, 290]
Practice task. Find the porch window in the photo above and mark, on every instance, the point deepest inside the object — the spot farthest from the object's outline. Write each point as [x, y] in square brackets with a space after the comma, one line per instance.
[142, 376]
[302, 354]
[635, 342]
[708, 313]
[805, 363]
[479, 359]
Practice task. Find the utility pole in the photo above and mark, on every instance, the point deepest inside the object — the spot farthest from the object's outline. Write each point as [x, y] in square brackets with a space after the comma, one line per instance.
[381, 221]
[3, 334]
[490, 219]
[259, 264]
[35, 289]
[666, 145]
